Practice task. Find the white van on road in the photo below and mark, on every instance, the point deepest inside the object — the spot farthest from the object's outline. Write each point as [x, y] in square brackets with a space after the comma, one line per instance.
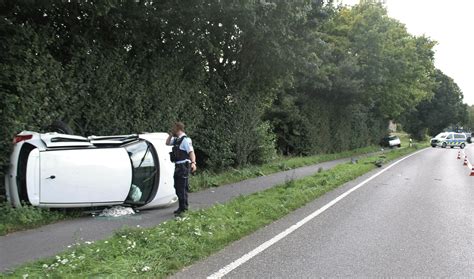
[450, 139]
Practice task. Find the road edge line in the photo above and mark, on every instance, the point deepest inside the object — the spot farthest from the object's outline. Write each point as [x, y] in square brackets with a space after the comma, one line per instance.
[262, 247]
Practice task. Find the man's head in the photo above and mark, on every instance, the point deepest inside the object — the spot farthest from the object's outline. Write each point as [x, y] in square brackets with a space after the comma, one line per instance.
[177, 129]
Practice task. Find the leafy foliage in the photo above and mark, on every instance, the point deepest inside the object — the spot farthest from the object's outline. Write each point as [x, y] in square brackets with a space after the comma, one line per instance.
[245, 76]
[470, 121]
[443, 110]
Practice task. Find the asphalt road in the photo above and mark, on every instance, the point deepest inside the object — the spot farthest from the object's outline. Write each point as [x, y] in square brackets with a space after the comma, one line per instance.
[414, 219]
[20, 247]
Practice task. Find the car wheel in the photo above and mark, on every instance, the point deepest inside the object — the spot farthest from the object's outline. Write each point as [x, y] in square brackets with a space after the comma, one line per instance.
[399, 145]
[444, 145]
[434, 146]
[60, 127]
[462, 146]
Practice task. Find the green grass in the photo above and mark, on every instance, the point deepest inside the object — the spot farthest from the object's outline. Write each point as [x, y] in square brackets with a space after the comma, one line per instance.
[15, 219]
[172, 245]
[206, 179]
[27, 217]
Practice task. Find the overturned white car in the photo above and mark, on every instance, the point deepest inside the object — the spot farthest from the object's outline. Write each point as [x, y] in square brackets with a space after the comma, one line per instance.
[62, 171]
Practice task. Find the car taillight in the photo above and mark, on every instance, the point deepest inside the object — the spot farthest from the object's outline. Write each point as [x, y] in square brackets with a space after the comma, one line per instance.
[19, 138]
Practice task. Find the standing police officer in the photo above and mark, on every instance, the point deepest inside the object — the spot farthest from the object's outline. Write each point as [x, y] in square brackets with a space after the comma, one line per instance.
[185, 162]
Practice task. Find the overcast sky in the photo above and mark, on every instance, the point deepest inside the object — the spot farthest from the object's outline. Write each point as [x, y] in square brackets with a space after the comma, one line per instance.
[451, 24]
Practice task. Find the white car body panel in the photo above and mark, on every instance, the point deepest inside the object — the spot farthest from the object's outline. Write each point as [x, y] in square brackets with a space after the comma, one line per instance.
[85, 176]
[394, 142]
[33, 177]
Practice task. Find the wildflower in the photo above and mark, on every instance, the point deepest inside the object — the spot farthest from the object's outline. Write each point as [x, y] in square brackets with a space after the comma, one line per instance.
[132, 244]
[25, 275]
[88, 242]
[106, 242]
[64, 261]
[146, 268]
[138, 226]
[45, 266]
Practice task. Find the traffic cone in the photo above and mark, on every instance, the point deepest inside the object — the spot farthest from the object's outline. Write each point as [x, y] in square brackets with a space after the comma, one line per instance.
[459, 155]
[465, 160]
[472, 171]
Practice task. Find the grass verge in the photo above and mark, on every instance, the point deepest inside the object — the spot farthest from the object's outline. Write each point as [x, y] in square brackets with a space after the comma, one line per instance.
[168, 247]
[207, 179]
[27, 217]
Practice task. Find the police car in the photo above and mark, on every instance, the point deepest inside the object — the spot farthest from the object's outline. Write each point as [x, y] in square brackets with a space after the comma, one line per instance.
[62, 171]
[450, 139]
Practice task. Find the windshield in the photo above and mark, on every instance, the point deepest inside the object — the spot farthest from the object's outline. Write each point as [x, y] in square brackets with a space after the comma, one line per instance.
[441, 136]
[145, 171]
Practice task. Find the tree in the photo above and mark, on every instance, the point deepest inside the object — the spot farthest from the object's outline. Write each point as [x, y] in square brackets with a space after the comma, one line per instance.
[470, 120]
[444, 109]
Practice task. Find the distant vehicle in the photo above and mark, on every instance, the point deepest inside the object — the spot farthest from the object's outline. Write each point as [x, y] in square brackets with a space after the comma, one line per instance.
[450, 139]
[62, 171]
[390, 141]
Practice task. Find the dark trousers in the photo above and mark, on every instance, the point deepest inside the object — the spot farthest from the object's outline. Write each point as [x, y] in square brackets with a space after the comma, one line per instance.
[181, 184]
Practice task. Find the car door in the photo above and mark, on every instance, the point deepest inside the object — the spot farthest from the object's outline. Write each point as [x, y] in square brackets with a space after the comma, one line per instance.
[459, 139]
[450, 139]
[84, 177]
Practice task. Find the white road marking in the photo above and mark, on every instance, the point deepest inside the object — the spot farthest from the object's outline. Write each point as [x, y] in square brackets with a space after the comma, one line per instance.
[228, 268]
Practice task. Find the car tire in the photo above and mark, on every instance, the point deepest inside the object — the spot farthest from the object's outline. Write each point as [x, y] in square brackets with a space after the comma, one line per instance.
[399, 145]
[462, 145]
[444, 145]
[434, 146]
[60, 127]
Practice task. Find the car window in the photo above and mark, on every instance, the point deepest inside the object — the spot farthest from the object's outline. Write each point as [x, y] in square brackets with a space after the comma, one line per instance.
[450, 137]
[144, 171]
[458, 136]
